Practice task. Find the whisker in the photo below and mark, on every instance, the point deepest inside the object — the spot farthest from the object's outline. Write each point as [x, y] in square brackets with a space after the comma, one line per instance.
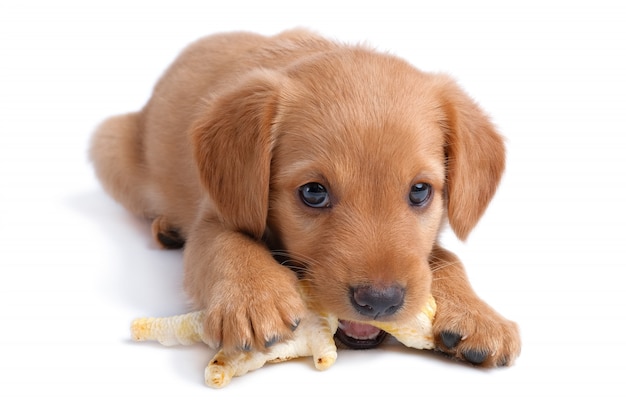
[437, 263]
[294, 257]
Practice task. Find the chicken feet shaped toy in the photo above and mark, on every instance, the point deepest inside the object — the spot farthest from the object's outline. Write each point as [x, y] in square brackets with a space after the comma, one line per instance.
[313, 337]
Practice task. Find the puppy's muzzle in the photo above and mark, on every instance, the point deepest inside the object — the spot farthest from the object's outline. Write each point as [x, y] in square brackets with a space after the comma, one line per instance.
[373, 303]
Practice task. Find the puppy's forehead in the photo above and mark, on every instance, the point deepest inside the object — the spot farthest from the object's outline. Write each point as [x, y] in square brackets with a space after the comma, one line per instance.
[367, 111]
[380, 155]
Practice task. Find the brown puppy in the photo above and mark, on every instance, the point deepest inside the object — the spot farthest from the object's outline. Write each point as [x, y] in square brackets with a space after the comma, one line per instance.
[273, 159]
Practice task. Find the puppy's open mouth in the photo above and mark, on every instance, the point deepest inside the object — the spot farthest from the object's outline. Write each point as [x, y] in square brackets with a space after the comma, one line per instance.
[355, 335]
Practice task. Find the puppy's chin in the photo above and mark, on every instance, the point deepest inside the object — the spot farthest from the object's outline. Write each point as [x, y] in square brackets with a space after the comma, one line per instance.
[355, 335]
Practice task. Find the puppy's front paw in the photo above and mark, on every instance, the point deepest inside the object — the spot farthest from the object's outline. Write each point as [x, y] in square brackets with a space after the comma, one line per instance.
[476, 334]
[254, 314]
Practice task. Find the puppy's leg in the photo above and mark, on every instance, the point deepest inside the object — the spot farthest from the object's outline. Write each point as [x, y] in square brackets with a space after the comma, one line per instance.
[466, 327]
[117, 154]
[250, 300]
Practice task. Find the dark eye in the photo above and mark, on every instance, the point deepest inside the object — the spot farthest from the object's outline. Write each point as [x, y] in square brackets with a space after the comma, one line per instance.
[420, 194]
[315, 195]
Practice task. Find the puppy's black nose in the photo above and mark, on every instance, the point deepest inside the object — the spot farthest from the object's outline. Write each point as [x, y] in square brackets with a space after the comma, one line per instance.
[377, 302]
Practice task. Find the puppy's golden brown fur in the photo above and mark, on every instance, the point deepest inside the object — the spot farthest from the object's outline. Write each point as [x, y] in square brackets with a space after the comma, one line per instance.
[342, 162]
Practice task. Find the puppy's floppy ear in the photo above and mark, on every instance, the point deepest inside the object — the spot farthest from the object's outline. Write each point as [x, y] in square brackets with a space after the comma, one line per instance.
[475, 158]
[233, 150]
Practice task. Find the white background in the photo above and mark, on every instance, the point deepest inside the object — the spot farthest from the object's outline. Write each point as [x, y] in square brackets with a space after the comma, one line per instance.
[75, 268]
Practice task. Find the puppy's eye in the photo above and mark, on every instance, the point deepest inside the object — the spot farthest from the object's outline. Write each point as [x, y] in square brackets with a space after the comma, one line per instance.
[315, 195]
[420, 194]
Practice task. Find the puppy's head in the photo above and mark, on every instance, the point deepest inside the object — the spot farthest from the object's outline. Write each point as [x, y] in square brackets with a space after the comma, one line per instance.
[350, 162]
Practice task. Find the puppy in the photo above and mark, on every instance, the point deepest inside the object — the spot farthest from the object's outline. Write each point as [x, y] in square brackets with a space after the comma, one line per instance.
[273, 159]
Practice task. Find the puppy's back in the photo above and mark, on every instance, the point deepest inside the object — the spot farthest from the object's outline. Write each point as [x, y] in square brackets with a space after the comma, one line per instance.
[145, 159]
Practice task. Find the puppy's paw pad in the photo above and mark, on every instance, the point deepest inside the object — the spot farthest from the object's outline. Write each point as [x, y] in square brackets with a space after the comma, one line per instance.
[450, 339]
[256, 322]
[170, 239]
[475, 356]
[483, 339]
[166, 235]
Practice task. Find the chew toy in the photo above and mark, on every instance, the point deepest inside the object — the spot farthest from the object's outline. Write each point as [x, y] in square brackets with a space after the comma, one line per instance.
[313, 337]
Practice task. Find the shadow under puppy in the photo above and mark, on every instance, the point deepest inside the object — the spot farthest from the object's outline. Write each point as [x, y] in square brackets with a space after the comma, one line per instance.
[273, 159]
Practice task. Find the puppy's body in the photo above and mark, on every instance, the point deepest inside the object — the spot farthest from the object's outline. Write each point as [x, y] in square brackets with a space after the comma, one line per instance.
[343, 161]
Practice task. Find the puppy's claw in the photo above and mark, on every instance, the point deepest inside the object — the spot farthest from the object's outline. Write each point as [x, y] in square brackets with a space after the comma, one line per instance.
[295, 325]
[504, 361]
[272, 341]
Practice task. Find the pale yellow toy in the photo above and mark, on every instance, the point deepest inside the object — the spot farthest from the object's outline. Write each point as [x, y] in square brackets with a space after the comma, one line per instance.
[313, 337]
